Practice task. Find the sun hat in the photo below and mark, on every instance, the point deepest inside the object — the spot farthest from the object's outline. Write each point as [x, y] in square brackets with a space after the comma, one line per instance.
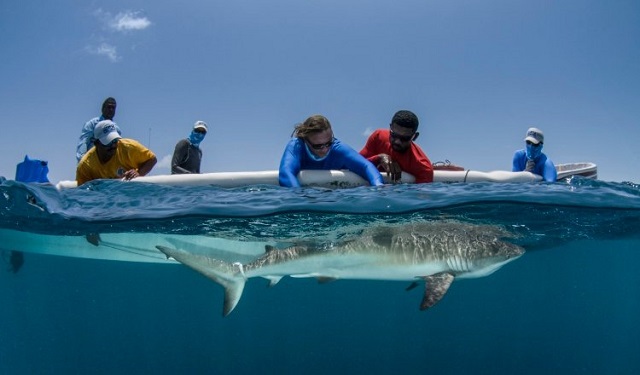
[105, 131]
[534, 135]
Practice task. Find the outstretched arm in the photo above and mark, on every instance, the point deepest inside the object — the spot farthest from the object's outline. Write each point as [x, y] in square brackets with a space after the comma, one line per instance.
[142, 170]
[147, 166]
[550, 174]
[359, 165]
[289, 166]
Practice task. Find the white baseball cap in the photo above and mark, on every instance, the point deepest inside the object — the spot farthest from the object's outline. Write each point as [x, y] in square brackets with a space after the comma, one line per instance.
[200, 125]
[105, 131]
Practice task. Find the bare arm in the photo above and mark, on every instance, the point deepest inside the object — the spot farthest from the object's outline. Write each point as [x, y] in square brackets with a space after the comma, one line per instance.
[392, 168]
[142, 170]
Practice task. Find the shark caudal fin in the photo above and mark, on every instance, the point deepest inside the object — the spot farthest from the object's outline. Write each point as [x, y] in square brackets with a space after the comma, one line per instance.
[226, 274]
[435, 288]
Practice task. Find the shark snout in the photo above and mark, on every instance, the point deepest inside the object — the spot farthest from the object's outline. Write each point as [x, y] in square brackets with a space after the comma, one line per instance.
[515, 251]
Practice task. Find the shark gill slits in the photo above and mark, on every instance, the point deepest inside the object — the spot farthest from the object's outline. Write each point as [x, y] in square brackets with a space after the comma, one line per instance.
[458, 264]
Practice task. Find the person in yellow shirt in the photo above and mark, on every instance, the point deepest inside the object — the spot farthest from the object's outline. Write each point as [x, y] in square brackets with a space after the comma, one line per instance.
[114, 156]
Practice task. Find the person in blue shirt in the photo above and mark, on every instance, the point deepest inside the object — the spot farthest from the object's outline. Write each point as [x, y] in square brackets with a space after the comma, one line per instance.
[532, 159]
[313, 146]
[86, 140]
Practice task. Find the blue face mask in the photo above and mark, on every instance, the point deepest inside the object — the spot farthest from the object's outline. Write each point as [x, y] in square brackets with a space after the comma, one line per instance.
[195, 138]
[533, 151]
[312, 155]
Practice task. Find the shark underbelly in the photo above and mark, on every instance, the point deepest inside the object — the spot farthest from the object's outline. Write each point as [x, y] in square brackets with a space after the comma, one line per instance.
[348, 266]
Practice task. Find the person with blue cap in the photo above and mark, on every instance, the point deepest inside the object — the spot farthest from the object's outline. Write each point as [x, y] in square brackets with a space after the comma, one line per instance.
[532, 159]
[187, 154]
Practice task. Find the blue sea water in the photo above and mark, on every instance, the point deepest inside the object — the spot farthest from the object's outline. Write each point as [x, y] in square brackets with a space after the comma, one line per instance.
[570, 305]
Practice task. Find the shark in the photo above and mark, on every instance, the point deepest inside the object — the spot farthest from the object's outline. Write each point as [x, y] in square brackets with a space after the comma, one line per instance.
[435, 253]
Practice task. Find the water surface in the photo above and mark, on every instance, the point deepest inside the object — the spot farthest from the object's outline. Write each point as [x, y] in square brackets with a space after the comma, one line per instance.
[569, 305]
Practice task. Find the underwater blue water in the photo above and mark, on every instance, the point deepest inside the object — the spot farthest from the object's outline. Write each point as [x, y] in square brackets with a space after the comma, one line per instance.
[570, 305]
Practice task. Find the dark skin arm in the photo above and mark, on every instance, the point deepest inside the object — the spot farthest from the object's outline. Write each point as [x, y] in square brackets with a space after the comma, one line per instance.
[142, 170]
[392, 168]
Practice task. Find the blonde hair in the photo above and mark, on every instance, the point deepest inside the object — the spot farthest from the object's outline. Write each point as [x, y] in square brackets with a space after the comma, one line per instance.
[312, 125]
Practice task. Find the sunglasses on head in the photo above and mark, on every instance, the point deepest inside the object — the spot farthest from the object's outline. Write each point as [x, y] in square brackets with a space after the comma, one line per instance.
[320, 146]
[533, 144]
[403, 138]
[200, 130]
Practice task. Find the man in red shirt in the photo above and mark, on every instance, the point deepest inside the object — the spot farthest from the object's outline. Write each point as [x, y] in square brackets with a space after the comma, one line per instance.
[393, 151]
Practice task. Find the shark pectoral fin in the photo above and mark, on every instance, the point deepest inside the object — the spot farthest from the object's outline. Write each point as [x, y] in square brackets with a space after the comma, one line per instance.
[93, 238]
[411, 286]
[435, 288]
[273, 280]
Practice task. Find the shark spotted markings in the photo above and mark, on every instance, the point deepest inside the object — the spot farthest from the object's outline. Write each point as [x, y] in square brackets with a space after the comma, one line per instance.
[436, 252]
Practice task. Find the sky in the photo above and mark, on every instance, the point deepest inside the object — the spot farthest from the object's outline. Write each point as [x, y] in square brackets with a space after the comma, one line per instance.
[476, 73]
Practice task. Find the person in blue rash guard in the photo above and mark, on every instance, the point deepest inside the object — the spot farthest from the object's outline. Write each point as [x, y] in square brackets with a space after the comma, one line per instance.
[532, 159]
[313, 146]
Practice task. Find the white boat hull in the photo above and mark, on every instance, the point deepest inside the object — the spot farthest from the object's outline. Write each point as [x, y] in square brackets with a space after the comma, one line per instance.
[347, 179]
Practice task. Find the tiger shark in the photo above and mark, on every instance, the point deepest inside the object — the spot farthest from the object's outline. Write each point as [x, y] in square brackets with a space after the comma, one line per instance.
[436, 252]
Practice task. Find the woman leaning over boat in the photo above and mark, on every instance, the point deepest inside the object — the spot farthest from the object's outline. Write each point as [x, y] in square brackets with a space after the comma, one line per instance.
[313, 146]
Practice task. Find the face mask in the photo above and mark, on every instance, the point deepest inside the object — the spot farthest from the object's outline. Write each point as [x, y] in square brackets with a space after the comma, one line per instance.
[195, 138]
[314, 156]
[533, 151]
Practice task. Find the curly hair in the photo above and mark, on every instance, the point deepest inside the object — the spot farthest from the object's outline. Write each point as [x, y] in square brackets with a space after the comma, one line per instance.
[406, 119]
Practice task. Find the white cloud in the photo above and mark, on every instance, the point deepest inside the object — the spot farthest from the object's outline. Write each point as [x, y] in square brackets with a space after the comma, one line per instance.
[105, 49]
[164, 163]
[122, 22]
[129, 21]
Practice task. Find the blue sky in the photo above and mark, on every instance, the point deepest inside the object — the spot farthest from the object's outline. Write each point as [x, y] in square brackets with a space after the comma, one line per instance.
[477, 74]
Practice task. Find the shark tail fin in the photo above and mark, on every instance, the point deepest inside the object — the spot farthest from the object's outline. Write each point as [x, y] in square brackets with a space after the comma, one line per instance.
[232, 293]
[229, 276]
[435, 288]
